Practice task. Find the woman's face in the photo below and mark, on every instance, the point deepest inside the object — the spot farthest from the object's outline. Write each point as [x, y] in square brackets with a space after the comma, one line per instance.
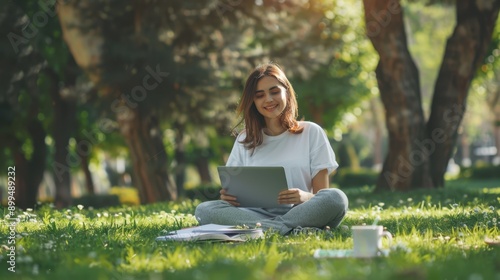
[270, 97]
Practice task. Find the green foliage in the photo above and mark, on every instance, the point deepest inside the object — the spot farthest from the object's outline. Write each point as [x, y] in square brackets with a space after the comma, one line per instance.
[480, 172]
[348, 177]
[438, 234]
[97, 200]
[330, 91]
[429, 27]
[204, 192]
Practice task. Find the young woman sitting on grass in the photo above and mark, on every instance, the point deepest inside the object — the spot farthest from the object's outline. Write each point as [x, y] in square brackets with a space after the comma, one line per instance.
[273, 137]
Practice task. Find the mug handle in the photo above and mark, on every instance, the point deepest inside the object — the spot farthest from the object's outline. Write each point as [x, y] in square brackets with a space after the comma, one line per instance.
[388, 235]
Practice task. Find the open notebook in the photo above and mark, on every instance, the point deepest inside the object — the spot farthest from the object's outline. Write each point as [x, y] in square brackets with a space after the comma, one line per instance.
[212, 232]
[254, 186]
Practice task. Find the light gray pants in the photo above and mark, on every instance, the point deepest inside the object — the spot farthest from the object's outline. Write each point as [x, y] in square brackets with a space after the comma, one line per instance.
[327, 208]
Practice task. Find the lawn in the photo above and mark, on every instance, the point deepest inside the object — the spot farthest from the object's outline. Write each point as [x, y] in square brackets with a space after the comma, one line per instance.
[438, 234]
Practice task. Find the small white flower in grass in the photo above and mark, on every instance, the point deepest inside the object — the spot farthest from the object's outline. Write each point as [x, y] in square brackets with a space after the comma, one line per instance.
[410, 199]
[80, 207]
[492, 208]
[98, 215]
[476, 210]
[7, 217]
[455, 205]
[105, 214]
[494, 220]
[258, 225]
[29, 209]
[401, 247]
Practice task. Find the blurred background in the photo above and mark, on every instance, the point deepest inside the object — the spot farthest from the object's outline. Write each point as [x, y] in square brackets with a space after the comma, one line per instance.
[134, 101]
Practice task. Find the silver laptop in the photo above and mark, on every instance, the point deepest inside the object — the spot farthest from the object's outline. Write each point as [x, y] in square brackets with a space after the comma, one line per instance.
[254, 186]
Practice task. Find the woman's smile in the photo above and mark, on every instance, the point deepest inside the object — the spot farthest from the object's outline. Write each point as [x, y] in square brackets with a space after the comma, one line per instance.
[270, 98]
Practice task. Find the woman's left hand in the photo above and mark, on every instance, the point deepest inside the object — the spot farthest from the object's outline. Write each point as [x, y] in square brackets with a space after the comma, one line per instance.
[294, 196]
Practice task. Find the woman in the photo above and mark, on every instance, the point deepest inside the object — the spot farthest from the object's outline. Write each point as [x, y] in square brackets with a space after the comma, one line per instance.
[273, 137]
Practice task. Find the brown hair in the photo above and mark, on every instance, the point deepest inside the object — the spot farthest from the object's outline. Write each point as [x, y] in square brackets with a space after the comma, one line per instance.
[254, 121]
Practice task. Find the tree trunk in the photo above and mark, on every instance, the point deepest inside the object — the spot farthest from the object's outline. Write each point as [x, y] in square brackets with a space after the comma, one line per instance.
[144, 138]
[464, 52]
[36, 165]
[494, 105]
[180, 158]
[378, 127]
[89, 183]
[62, 127]
[465, 146]
[29, 173]
[202, 165]
[405, 166]
[496, 135]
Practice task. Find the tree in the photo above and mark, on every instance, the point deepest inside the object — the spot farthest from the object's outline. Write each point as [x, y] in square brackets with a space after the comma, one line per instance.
[419, 150]
[145, 69]
[22, 132]
[204, 48]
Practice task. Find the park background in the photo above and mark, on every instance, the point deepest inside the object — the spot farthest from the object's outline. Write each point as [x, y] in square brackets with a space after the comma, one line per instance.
[137, 99]
[105, 104]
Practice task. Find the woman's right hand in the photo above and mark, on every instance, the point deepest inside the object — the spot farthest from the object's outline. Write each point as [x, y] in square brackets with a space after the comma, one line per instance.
[229, 198]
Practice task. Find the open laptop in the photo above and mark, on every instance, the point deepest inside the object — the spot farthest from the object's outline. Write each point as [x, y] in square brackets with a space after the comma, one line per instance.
[254, 186]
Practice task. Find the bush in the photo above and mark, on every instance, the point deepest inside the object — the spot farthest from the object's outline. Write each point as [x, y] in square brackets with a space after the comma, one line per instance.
[97, 200]
[204, 192]
[347, 177]
[480, 172]
[126, 195]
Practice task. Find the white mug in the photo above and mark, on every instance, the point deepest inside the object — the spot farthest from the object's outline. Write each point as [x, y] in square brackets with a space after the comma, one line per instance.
[368, 240]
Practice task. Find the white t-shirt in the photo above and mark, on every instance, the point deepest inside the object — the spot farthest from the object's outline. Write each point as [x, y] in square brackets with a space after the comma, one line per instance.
[302, 155]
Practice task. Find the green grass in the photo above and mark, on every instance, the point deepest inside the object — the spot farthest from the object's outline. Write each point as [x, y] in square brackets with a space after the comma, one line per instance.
[438, 234]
